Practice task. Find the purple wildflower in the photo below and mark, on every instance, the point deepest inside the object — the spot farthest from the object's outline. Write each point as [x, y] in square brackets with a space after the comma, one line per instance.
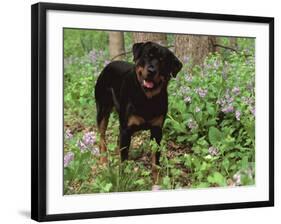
[93, 56]
[95, 151]
[224, 71]
[192, 124]
[237, 178]
[87, 141]
[227, 95]
[216, 64]
[68, 135]
[68, 61]
[81, 146]
[230, 99]
[187, 99]
[220, 102]
[186, 59]
[253, 111]
[248, 100]
[250, 86]
[213, 151]
[247, 51]
[68, 158]
[188, 78]
[184, 90]
[236, 90]
[106, 62]
[89, 138]
[206, 65]
[228, 109]
[201, 92]
[101, 53]
[237, 115]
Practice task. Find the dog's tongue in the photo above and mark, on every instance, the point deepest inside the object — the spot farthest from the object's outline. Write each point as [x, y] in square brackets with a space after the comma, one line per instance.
[148, 84]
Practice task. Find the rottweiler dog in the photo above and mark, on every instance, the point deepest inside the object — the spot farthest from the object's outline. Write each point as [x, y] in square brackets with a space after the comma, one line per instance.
[139, 94]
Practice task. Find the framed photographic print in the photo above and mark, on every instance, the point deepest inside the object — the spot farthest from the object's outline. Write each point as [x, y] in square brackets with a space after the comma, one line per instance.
[139, 111]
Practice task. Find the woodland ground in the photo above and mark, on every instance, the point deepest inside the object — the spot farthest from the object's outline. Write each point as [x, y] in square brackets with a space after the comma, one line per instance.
[208, 136]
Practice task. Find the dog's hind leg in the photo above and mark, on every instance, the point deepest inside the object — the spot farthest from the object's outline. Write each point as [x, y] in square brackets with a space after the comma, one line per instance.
[102, 144]
[104, 108]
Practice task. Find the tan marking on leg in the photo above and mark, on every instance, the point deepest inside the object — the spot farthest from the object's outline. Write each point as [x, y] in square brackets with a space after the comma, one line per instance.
[102, 129]
[155, 170]
[157, 121]
[135, 120]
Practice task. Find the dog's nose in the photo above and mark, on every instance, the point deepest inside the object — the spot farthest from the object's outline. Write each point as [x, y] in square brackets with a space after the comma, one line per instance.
[151, 69]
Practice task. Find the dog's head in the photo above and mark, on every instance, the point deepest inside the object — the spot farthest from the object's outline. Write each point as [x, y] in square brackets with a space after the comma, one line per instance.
[155, 65]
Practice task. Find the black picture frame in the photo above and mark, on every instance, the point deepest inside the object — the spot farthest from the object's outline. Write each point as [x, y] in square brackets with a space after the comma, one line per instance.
[39, 114]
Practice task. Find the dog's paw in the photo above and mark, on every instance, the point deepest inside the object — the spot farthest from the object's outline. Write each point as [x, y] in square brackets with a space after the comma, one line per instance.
[156, 188]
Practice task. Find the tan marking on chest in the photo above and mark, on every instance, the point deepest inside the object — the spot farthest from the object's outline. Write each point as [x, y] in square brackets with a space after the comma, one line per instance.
[135, 120]
[157, 121]
[152, 93]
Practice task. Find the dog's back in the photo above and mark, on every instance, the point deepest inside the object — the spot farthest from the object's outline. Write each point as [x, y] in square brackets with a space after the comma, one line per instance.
[109, 82]
[108, 85]
[112, 76]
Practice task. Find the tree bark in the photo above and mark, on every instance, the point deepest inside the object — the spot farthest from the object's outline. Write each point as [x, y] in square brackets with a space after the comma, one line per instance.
[116, 45]
[193, 48]
[154, 37]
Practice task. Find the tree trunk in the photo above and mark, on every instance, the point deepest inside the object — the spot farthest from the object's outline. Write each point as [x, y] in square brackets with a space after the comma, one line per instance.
[154, 37]
[193, 48]
[116, 45]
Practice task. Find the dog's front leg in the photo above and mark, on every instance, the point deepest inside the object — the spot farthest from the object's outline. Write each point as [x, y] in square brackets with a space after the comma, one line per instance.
[156, 134]
[125, 140]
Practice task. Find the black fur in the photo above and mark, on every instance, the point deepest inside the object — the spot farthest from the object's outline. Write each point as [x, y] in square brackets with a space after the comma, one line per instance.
[120, 85]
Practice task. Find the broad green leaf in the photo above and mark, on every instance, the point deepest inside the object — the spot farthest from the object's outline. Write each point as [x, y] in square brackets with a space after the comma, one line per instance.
[217, 178]
[107, 187]
[214, 136]
[210, 109]
[181, 138]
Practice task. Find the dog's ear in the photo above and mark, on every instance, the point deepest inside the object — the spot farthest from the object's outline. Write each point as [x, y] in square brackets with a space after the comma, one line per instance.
[176, 65]
[137, 50]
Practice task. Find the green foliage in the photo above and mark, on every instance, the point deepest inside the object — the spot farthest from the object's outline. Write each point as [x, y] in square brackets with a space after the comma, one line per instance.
[78, 42]
[208, 135]
[215, 136]
[121, 178]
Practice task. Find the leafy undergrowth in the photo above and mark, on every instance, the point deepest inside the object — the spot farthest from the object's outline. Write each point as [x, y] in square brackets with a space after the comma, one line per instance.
[209, 132]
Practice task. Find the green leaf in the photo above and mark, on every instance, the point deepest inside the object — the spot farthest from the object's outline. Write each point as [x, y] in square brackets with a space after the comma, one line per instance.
[217, 178]
[225, 164]
[211, 122]
[139, 182]
[214, 136]
[203, 166]
[179, 127]
[181, 139]
[192, 138]
[203, 185]
[167, 182]
[107, 187]
[210, 109]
